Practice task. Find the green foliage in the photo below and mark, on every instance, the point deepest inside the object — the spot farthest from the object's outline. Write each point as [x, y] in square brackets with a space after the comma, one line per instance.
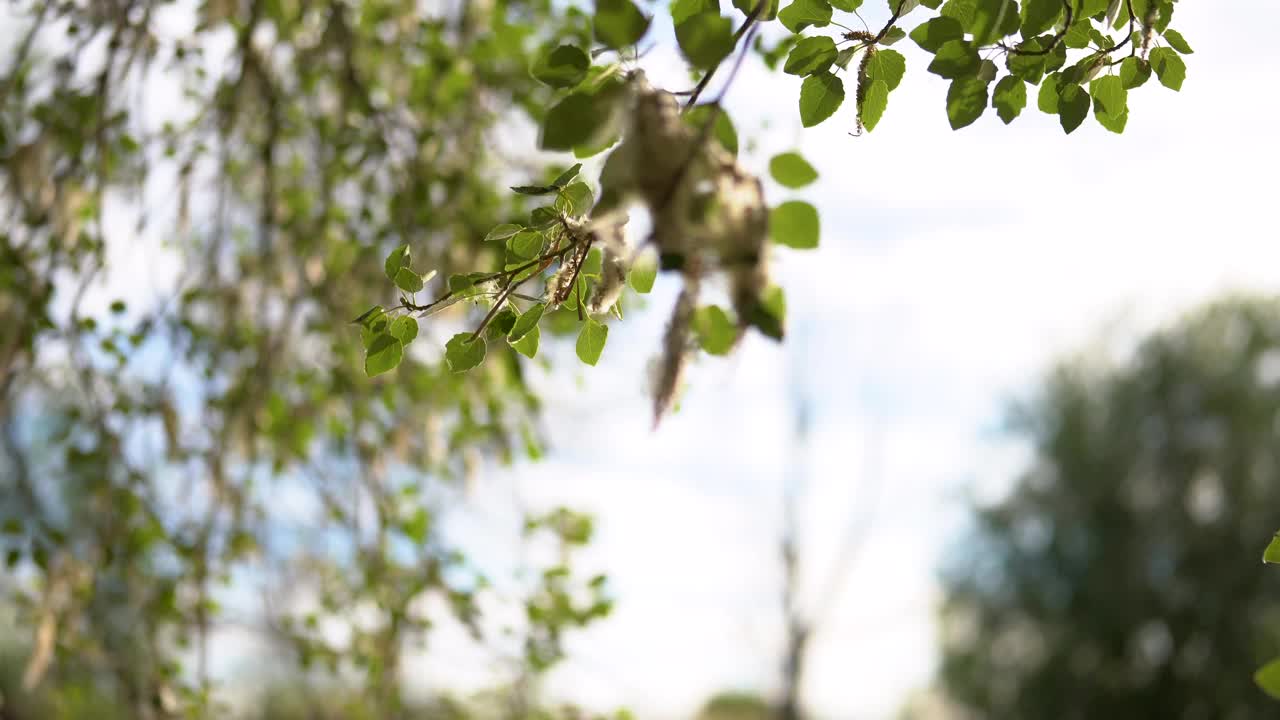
[966, 101]
[820, 96]
[314, 161]
[811, 55]
[1009, 98]
[463, 352]
[1272, 553]
[1110, 102]
[344, 153]
[932, 34]
[716, 333]
[795, 224]
[564, 66]
[791, 170]
[1177, 42]
[1170, 68]
[619, 23]
[1109, 556]
[801, 14]
[722, 129]
[705, 38]
[1268, 678]
[591, 341]
[642, 275]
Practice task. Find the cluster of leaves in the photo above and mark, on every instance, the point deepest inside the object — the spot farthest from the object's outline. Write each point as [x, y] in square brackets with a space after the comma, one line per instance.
[1118, 576]
[1268, 676]
[1069, 48]
[666, 165]
[147, 446]
[663, 157]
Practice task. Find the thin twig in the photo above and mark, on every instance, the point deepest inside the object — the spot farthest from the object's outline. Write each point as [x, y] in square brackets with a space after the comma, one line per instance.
[747, 26]
[1066, 27]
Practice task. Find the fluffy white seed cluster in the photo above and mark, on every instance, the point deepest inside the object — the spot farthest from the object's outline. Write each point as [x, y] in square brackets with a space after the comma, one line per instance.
[708, 216]
[615, 258]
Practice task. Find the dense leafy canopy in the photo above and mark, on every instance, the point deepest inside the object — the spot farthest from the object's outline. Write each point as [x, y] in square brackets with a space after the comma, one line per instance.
[326, 157]
[1120, 577]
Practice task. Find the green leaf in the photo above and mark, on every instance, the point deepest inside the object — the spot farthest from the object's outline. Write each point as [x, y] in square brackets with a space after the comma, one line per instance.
[527, 345]
[576, 120]
[384, 354]
[992, 20]
[1169, 68]
[565, 177]
[955, 59]
[643, 272]
[1272, 553]
[987, 71]
[502, 232]
[1177, 42]
[1268, 678]
[791, 170]
[372, 327]
[986, 20]
[892, 35]
[404, 329]
[1073, 106]
[769, 315]
[682, 10]
[1110, 102]
[767, 13]
[723, 131]
[844, 56]
[1089, 8]
[1078, 35]
[399, 258]
[933, 34]
[874, 102]
[716, 333]
[795, 224]
[966, 101]
[811, 55]
[417, 526]
[542, 217]
[593, 264]
[565, 66]
[369, 315]
[408, 280]
[575, 200]
[1009, 98]
[1039, 15]
[1047, 100]
[805, 13]
[1134, 72]
[533, 189]
[1032, 67]
[820, 96]
[527, 322]
[705, 39]
[846, 5]
[462, 353]
[619, 23]
[502, 323]
[526, 244]
[887, 66]
[591, 341]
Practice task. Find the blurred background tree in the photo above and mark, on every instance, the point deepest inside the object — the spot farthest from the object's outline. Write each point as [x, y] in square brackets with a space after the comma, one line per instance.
[195, 198]
[1120, 577]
